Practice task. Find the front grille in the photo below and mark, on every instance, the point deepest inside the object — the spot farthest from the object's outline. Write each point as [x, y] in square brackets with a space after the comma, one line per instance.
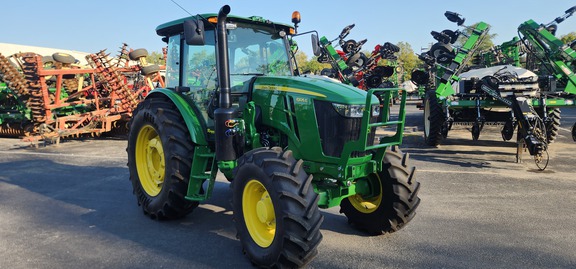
[335, 130]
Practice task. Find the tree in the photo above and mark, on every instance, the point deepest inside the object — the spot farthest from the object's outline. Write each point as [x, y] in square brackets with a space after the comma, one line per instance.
[301, 60]
[316, 67]
[407, 59]
[156, 58]
[567, 38]
[309, 66]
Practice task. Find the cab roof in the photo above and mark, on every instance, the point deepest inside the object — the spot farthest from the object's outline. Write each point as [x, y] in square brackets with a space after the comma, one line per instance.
[176, 26]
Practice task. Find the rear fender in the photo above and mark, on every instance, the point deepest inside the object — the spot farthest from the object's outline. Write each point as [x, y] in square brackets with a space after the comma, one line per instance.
[197, 134]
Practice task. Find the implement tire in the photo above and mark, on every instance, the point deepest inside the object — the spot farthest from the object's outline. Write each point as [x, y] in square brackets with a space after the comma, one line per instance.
[275, 209]
[136, 54]
[64, 58]
[150, 69]
[433, 119]
[574, 132]
[159, 159]
[553, 125]
[394, 204]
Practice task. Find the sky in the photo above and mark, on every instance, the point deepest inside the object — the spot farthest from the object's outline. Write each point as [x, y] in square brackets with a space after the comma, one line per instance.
[90, 26]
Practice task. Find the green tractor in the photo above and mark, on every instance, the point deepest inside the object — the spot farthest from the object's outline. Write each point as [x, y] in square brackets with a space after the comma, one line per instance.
[288, 144]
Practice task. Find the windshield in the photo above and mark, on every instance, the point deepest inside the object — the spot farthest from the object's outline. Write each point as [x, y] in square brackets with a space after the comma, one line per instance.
[253, 51]
[257, 51]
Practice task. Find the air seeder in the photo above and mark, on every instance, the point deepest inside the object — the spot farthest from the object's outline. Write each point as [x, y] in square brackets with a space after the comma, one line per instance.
[288, 144]
[547, 56]
[500, 94]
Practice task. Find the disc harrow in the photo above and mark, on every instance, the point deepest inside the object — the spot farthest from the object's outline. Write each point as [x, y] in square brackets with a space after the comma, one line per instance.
[36, 97]
[12, 78]
[109, 75]
[52, 97]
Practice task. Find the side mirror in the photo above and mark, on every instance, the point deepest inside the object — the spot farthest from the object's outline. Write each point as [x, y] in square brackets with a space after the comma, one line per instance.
[316, 45]
[454, 17]
[194, 32]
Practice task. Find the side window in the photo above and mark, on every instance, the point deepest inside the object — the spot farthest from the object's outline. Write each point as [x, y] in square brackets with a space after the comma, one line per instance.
[199, 73]
[173, 62]
[200, 67]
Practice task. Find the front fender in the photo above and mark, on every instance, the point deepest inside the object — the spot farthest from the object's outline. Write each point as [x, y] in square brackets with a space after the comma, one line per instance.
[196, 130]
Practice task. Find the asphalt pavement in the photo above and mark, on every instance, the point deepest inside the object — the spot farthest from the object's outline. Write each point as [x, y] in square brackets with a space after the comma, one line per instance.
[71, 206]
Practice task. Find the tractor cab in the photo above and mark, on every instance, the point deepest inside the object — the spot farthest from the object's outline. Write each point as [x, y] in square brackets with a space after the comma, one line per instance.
[256, 47]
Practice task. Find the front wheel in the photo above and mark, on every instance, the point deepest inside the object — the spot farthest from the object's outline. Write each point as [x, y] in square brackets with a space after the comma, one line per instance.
[159, 158]
[275, 209]
[393, 199]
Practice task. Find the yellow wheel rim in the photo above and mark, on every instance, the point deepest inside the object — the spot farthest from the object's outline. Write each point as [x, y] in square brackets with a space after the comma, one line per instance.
[150, 160]
[259, 214]
[370, 204]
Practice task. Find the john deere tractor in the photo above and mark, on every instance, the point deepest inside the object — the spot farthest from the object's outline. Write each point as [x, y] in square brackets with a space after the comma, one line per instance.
[288, 144]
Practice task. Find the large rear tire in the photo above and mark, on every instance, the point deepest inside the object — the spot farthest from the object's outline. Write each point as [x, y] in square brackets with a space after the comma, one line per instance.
[159, 159]
[394, 202]
[275, 209]
[433, 120]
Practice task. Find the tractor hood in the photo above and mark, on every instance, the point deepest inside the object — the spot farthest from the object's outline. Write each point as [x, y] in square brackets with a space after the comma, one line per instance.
[312, 87]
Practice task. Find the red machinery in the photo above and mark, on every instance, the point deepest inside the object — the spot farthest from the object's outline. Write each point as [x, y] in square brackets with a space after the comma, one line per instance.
[66, 100]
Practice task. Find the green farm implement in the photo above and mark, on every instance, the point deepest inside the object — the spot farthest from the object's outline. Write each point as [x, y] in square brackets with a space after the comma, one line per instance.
[548, 57]
[496, 90]
[288, 144]
[555, 63]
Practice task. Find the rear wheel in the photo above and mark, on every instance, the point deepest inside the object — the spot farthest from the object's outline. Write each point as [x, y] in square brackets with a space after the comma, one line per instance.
[433, 119]
[159, 158]
[275, 209]
[393, 201]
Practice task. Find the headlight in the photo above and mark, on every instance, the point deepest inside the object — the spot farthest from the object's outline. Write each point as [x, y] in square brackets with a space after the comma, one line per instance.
[350, 111]
[375, 110]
